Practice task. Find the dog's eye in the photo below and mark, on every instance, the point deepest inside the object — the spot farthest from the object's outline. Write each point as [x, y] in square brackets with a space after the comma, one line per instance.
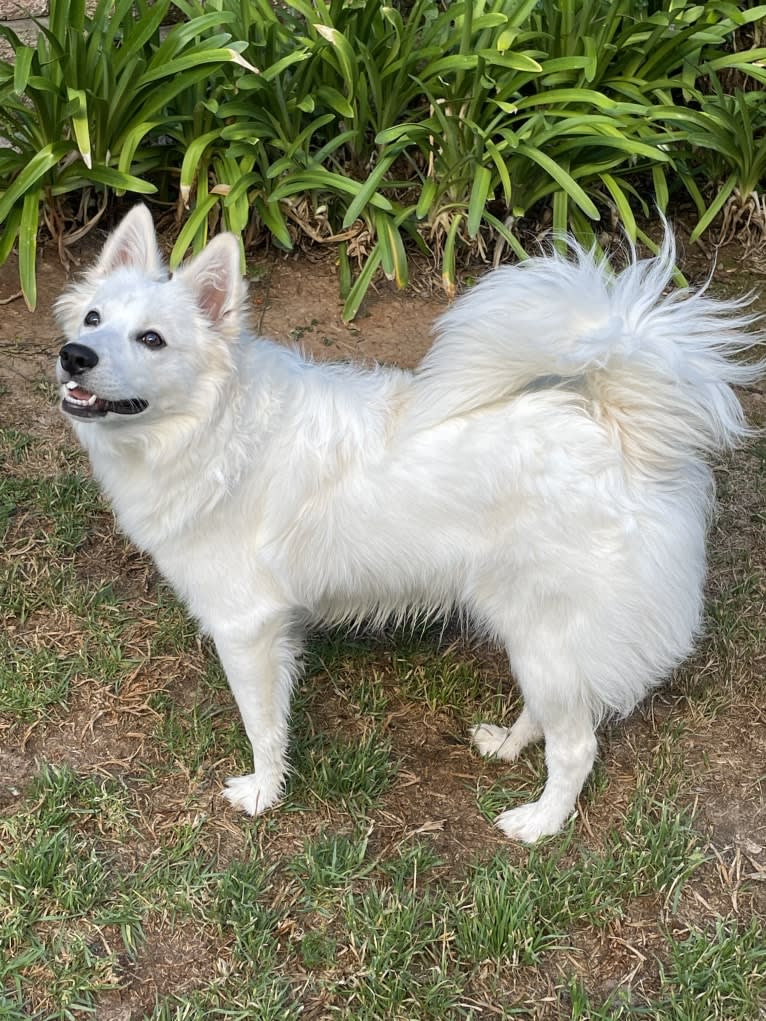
[92, 318]
[150, 339]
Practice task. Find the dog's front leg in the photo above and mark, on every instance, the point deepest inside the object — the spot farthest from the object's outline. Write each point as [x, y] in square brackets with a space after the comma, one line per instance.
[260, 667]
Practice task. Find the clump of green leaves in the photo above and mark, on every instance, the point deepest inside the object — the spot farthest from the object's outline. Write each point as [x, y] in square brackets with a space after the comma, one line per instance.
[83, 111]
[383, 129]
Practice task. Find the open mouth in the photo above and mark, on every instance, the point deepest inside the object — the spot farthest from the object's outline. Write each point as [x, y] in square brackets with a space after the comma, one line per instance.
[82, 403]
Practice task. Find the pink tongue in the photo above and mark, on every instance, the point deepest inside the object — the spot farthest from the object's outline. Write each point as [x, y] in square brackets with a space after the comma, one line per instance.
[79, 394]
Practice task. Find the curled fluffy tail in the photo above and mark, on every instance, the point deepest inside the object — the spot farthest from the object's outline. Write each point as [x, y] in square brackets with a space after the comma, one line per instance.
[659, 366]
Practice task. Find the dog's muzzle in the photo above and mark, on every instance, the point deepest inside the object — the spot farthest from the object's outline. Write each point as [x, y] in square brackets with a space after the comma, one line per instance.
[75, 361]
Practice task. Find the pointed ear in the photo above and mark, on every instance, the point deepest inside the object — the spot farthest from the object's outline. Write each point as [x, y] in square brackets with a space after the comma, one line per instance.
[215, 278]
[132, 243]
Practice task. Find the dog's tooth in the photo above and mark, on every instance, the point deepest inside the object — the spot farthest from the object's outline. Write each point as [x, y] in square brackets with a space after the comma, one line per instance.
[71, 385]
[92, 399]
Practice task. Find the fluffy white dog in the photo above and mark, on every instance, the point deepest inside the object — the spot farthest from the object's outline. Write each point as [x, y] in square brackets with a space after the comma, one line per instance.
[544, 470]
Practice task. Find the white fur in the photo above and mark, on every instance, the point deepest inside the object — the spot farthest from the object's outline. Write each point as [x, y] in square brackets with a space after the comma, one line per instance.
[543, 470]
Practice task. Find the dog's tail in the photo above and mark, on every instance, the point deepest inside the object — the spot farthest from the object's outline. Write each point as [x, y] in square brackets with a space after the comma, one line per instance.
[657, 367]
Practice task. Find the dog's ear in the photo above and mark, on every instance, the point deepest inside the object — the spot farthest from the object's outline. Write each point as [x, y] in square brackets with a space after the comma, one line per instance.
[132, 243]
[215, 278]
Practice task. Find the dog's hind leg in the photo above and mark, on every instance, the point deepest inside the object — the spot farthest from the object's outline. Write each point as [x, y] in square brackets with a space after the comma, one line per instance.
[570, 751]
[506, 743]
[260, 669]
[544, 647]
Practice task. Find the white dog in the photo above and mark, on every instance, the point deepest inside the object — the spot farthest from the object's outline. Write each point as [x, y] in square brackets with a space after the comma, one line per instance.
[543, 470]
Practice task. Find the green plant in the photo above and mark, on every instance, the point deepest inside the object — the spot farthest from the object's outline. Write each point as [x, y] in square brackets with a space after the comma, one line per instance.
[728, 137]
[83, 113]
[382, 129]
[378, 128]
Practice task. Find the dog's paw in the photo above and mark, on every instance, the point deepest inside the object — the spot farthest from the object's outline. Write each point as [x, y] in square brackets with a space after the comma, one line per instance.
[250, 794]
[530, 822]
[495, 742]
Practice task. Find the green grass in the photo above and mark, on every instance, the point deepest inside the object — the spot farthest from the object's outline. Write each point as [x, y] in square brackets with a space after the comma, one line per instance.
[398, 939]
[15, 445]
[35, 677]
[443, 679]
[63, 508]
[328, 865]
[58, 886]
[390, 936]
[717, 973]
[188, 735]
[350, 773]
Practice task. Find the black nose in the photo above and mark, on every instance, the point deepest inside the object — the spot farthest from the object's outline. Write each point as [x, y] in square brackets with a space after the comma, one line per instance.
[76, 358]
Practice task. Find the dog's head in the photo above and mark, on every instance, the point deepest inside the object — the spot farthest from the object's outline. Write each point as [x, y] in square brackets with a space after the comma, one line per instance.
[139, 341]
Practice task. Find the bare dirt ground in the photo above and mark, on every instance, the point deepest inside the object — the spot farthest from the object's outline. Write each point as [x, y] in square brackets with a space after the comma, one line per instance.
[720, 698]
